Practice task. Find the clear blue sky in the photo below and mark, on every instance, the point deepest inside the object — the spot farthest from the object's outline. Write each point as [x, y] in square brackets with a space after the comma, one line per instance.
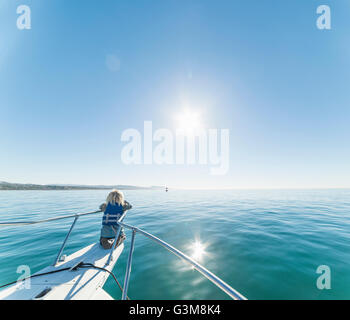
[260, 68]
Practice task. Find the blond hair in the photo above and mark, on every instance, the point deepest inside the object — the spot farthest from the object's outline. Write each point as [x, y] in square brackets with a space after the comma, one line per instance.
[115, 197]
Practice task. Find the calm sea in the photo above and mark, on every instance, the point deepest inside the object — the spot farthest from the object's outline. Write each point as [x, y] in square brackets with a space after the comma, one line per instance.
[265, 244]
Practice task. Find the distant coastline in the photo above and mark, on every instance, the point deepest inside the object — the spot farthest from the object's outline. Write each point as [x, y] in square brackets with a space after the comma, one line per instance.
[29, 186]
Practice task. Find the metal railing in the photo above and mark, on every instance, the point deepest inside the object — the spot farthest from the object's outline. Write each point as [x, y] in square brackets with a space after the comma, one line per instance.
[205, 272]
[75, 216]
[27, 223]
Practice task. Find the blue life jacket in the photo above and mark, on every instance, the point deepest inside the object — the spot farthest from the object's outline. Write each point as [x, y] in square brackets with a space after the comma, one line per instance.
[112, 214]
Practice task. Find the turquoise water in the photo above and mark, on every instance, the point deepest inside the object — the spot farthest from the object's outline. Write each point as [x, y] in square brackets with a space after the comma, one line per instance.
[266, 244]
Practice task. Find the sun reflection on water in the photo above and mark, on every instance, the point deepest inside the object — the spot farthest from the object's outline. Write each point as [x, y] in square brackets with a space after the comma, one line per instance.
[197, 250]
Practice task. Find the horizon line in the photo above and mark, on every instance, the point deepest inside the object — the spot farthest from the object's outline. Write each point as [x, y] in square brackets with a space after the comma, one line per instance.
[175, 188]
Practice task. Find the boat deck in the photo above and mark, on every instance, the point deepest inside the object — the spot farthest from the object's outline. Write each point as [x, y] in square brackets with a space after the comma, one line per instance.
[81, 284]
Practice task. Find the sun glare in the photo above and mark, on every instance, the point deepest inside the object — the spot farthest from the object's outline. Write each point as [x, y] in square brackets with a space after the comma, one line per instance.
[188, 120]
[198, 250]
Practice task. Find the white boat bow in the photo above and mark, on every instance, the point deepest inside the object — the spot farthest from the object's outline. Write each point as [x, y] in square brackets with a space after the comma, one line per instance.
[79, 284]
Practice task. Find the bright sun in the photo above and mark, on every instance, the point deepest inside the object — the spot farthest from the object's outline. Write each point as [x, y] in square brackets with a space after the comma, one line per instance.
[198, 250]
[188, 120]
